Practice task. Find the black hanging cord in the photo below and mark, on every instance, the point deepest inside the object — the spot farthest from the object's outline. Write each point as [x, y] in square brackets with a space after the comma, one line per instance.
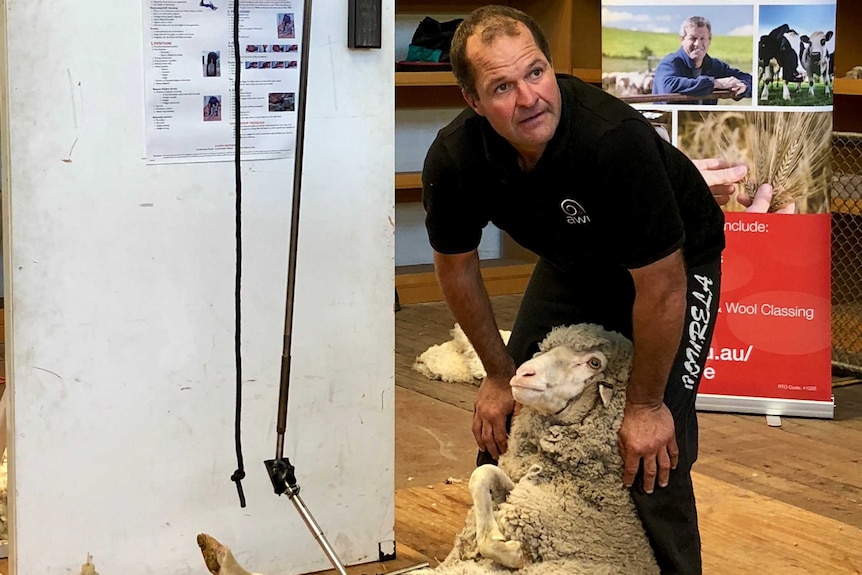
[239, 474]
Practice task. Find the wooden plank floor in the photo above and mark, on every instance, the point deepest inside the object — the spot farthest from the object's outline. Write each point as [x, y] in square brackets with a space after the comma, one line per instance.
[743, 532]
[771, 500]
[782, 500]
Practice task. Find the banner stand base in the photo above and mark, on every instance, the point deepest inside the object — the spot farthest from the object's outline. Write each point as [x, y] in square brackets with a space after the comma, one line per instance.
[766, 406]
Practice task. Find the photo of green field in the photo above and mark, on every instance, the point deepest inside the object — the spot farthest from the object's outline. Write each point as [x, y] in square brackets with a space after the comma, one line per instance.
[636, 38]
[799, 95]
[631, 50]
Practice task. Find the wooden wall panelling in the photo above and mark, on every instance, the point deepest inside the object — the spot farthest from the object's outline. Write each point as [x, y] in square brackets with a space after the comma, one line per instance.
[848, 53]
[586, 39]
[555, 18]
[848, 31]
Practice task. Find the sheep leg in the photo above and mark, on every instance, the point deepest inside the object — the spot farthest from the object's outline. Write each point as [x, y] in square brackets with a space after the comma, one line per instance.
[218, 558]
[490, 485]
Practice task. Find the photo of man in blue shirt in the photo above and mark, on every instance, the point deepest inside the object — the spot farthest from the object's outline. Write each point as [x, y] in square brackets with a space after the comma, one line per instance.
[691, 71]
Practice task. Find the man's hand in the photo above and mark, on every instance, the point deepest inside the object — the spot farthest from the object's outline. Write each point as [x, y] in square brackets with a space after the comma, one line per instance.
[739, 87]
[721, 176]
[647, 433]
[762, 200]
[730, 83]
[461, 282]
[494, 403]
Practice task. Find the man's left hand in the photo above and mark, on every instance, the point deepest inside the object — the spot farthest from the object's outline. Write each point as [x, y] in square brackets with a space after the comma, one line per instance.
[647, 433]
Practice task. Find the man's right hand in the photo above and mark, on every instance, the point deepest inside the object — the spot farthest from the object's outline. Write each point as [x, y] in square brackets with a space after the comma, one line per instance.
[494, 404]
[730, 83]
[762, 201]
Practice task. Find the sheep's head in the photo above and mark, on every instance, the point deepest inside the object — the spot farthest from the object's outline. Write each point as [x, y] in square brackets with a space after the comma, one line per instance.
[575, 363]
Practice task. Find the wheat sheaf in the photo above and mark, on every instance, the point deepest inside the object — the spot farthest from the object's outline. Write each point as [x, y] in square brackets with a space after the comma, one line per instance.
[789, 150]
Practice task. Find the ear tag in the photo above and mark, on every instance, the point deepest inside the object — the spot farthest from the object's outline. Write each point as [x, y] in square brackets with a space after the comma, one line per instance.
[606, 392]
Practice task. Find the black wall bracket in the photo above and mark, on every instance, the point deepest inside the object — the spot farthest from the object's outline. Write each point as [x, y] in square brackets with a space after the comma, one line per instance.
[364, 22]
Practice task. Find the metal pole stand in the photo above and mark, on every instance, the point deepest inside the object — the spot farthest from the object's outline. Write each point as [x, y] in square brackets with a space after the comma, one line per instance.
[281, 472]
[283, 477]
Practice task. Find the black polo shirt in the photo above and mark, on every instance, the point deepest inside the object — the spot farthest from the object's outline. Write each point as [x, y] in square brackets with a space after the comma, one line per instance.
[607, 190]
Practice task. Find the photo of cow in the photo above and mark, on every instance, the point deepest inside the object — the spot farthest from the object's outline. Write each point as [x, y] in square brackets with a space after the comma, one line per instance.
[796, 55]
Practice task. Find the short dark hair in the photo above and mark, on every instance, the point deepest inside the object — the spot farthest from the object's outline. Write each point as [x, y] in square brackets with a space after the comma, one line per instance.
[491, 22]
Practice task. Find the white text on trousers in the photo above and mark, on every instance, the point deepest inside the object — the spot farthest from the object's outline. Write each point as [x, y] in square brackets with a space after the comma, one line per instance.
[697, 328]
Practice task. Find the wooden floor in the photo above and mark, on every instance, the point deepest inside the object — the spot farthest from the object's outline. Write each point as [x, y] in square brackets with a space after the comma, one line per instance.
[771, 500]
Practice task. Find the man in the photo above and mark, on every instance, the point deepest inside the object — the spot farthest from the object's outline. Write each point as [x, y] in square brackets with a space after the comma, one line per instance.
[628, 234]
[692, 72]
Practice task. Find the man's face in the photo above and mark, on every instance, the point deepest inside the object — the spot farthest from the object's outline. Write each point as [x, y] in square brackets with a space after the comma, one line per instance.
[696, 43]
[516, 90]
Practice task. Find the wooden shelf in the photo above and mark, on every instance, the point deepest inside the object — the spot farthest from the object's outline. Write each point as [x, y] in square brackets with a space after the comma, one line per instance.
[408, 180]
[418, 284]
[847, 87]
[431, 96]
[408, 187]
[444, 78]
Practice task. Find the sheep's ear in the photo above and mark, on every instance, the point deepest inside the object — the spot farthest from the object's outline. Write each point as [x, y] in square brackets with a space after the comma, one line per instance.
[606, 392]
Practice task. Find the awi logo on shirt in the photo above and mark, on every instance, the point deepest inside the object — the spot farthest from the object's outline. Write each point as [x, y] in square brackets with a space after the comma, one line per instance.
[575, 212]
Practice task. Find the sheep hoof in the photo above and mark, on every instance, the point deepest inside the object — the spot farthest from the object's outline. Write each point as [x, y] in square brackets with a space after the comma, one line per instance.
[218, 558]
[210, 548]
[507, 553]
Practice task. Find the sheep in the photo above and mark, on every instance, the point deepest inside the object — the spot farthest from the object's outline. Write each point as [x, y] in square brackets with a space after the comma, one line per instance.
[556, 504]
[454, 360]
[627, 84]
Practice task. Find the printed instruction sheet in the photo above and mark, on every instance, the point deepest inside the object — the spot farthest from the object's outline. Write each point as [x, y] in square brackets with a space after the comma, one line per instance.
[190, 72]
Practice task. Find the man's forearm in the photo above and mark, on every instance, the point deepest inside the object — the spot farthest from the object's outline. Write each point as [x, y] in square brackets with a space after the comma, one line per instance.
[658, 317]
[462, 285]
[673, 84]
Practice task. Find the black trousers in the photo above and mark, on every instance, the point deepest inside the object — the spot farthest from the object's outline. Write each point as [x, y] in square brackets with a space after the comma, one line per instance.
[605, 297]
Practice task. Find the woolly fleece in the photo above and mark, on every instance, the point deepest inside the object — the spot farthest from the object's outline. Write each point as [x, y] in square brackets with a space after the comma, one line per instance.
[454, 360]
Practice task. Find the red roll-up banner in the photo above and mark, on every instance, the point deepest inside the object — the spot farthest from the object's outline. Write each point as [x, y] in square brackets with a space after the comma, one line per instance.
[771, 351]
[748, 83]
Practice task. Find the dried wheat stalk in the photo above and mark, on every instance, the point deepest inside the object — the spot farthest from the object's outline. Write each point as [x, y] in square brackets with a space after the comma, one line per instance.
[790, 150]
